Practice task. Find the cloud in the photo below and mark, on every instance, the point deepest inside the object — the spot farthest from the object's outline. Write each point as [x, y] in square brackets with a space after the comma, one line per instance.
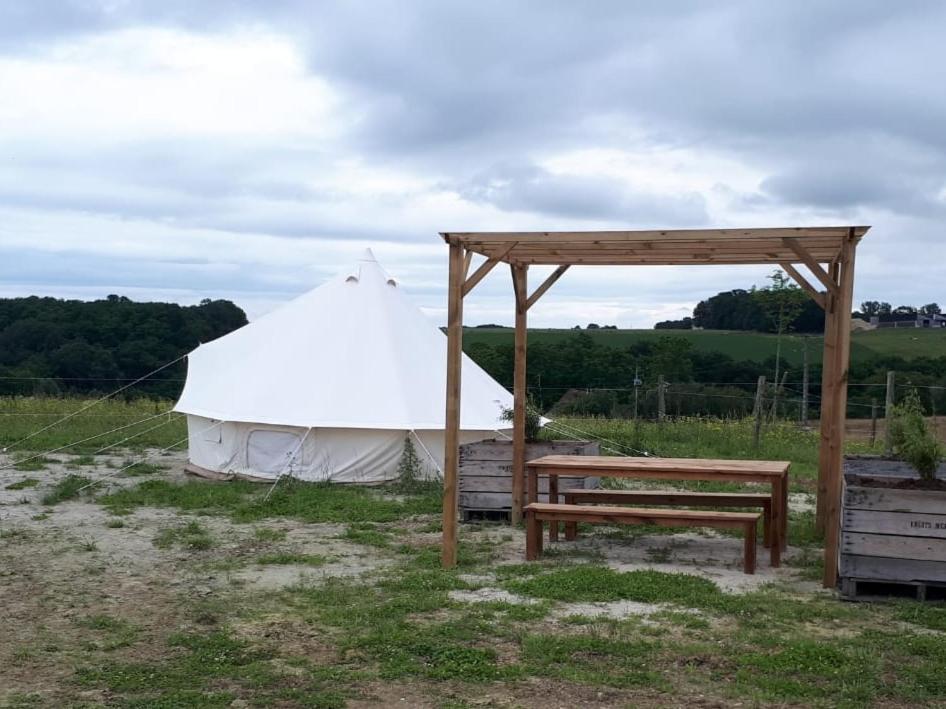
[531, 188]
[159, 139]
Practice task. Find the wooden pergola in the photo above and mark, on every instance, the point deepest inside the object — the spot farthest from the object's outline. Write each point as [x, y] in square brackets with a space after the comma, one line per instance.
[827, 253]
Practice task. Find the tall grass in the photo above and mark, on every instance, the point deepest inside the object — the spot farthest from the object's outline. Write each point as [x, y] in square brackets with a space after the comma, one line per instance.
[22, 416]
[703, 438]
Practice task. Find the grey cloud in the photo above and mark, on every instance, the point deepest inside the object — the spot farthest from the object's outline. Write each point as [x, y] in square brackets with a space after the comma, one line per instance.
[230, 186]
[528, 187]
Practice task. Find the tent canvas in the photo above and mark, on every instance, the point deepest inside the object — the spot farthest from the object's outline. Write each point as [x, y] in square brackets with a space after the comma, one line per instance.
[329, 385]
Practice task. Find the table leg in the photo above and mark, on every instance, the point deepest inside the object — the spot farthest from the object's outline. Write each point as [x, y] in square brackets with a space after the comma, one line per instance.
[775, 550]
[784, 534]
[532, 486]
[553, 498]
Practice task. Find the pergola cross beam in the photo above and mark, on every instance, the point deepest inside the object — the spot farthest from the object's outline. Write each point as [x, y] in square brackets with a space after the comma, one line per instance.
[546, 284]
[813, 293]
[813, 265]
[811, 246]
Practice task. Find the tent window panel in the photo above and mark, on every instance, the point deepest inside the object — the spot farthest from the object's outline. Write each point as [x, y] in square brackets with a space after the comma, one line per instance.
[214, 432]
[273, 452]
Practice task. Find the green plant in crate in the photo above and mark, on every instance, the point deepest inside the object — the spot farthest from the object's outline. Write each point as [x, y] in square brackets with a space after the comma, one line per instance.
[912, 439]
[533, 420]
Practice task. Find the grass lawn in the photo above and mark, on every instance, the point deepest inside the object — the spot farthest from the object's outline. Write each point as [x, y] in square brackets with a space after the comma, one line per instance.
[158, 590]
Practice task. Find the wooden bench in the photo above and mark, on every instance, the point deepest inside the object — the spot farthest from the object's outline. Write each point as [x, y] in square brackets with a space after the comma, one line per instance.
[659, 498]
[538, 512]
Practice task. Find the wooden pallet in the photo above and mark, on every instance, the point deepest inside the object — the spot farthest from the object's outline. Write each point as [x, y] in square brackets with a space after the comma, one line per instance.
[854, 589]
[486, 475]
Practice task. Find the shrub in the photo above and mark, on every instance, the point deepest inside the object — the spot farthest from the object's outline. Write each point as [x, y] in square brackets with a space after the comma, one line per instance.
[410, 469]
[912, 439]
[533, 420]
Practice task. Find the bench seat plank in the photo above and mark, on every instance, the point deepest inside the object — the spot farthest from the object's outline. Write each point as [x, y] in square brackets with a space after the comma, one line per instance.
[667, 497]
[538, 512]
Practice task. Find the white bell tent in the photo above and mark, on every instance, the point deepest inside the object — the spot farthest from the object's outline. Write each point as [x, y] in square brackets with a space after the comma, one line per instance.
[328, 386]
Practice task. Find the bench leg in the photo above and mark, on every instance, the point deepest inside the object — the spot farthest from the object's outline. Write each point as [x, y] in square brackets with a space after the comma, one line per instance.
[533, 536]
[748, 552]
[767, 524]
[571, 528]
[571, 531]
[553, 498]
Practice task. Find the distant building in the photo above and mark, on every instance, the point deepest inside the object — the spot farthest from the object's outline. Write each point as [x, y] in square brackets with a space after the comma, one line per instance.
[908, 320]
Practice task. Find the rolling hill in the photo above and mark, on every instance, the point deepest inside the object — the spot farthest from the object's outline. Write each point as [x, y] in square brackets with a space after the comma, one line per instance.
[742, 345]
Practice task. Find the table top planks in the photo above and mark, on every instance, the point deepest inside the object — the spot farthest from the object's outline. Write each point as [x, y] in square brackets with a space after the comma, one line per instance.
[683, 466]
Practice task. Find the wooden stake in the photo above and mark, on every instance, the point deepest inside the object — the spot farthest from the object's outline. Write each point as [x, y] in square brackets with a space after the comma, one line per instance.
[779, 386]
[451, 449]
[888, 412]
[520, 287]
[757, 412]
[804, 383]
[873, 421]
[661, 399]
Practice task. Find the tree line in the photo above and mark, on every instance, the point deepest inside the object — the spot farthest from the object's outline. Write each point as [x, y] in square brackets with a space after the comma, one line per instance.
[578, 375]
[778, 307]
[53, 346]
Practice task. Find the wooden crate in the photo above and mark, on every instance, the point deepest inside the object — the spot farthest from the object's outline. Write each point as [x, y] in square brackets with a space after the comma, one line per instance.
[486, 474]
[893, 540]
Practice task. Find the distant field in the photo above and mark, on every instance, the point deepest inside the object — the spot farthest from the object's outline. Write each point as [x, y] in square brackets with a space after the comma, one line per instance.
[142, 423]
[742, 345]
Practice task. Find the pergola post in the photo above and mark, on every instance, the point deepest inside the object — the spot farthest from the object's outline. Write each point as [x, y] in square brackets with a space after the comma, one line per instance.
[828, 368]
[451, 440]
[841, 366]
[520, 288]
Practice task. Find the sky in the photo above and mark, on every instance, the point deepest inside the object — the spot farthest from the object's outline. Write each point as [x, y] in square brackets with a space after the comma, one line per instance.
[179, 150]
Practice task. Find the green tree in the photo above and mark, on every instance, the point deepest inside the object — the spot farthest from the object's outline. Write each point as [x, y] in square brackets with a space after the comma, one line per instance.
[782, 302]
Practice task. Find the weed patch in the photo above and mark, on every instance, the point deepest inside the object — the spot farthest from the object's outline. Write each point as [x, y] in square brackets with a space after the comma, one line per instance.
[286, 559]
[32, 464]
[591, 659]
[189, 536]
[137, 470]
[23, 484]
[82, 461]
[244, 502]
[588, 582]
[368, 534]
[69, 488]
[114, 632]
[268, 534]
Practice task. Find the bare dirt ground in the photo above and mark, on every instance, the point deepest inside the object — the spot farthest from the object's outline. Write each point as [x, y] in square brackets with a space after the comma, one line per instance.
[64, 567]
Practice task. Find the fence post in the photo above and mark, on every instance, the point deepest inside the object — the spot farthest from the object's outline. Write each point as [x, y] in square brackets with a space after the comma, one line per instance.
[778, 388]
[757, 411]
[804, 383]
[888, 412]
[661, 400]
[873, 421]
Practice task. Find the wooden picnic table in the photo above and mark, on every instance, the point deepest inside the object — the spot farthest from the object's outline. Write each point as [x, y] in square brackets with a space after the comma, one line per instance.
[771, 472]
